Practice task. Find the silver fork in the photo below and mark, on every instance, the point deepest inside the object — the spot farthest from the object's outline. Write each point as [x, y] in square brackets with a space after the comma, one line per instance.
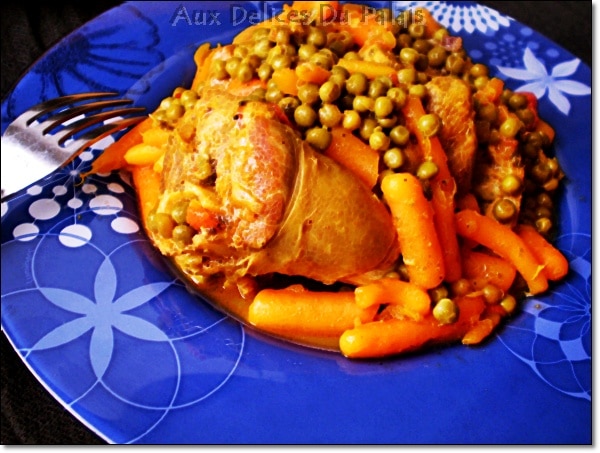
[30, 151]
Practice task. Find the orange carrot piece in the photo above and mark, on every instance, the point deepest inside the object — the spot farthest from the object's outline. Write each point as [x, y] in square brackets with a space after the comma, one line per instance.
[555, 264]
[443, 187]
[311, 73]
[411, 297]
[368, 68]
[483, 268]
[147, 186]
[203, 59]
[143, 154]
[504, 242]
[417, 236]
[113, 157]
[286, 80]
[423, 16]
[396, 336]
[197, 216]
[354, 154]
[481, 330]
[155, 136]
[544, 127]
[298, 310]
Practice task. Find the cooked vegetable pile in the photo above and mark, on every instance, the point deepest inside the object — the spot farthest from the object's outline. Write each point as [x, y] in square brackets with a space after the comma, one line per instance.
[350, 180]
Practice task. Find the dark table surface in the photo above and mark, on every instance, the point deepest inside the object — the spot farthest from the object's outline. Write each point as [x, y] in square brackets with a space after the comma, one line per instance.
[29, 413]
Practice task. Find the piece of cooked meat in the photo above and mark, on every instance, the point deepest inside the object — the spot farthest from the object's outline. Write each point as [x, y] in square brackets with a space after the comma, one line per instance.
[274, 204]
[450, 98]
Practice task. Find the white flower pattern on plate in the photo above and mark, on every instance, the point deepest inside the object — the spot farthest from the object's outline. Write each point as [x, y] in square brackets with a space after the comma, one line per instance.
[555, 83]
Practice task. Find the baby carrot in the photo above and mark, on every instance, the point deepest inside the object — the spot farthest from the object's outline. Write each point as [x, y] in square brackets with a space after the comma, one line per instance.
[351, 152]
[147, 187]
[483, 268]
[113, 157]
[443, 188]
[504, 242]
[555, 264]
[417, 236]
[396, 336]
[298, 310]
[392, 291]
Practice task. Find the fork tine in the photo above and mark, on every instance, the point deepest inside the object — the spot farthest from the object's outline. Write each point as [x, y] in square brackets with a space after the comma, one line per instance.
[86, 122]
[65, 115]
[33, 113]
[92, 136]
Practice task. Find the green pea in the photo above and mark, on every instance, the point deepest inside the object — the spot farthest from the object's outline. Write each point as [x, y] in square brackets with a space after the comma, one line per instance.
[378, 140]
[218, 70]
[454, 64]
[488, 112]
[179, 212]
[330, 115]
[183, 233]
[422, 46]
[264, 71]
[511, 184]
[316, 36]
[289, 104]
[509, 303]
[510, 127]
[416, 30]
[376, 89]
[505, 210]
[273, 95]
[492, 294]
[161, 224]
[517, 101]
[437, 56]
[175, 111]
[305, 51]
[261, 48]
[329, 91]
[305, 116]
[408, 56]
[232, 65]
[281, 62]
[397, 96]
[400, 135]
[445, 311]
[166, 102]
[367, 127]
[478, 70]
[429, 124]
[383, 106]
[387, 122]
[319, 137]
[245, 72]
[393, 158]
[351, 120]
[363, 103]
[543, 225]
[427, 170]
[440, 34]
[407, 76]
[308, 93]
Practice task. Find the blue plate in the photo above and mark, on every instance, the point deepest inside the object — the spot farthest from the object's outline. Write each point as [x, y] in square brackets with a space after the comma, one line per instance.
[107, 329]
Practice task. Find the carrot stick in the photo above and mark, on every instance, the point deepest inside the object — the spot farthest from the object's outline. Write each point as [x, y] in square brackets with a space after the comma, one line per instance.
[311, 73]
[503, 241]
[483, 269]
[147, 186]
[113, 157]
[417, 236]
[155, 136]
[424, 17]
[395, 336]
[555, 264]
[143, 154]
[354, 154]
[368, 68]
[411, 297]
[296, 310]
[443, 189]
[286, 80]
